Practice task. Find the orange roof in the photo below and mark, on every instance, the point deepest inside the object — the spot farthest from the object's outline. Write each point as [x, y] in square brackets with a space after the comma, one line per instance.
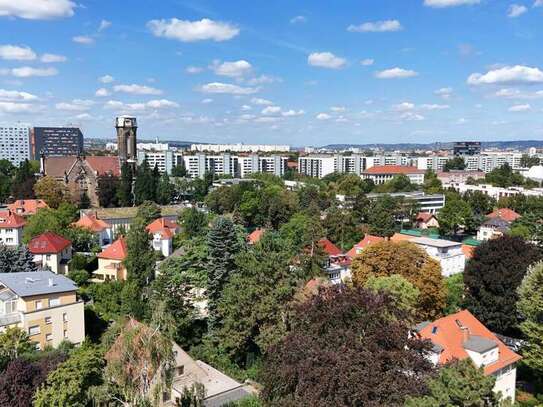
[255, 235]
[393, 169]
[104, 165]
[329, 248]
[367, 241]
[48, 243]
[160, 224]
[8, 220]
[506, 214]
[448, 334]
[90, 222]
[424, 216]
[468, 250]
[400, 237]
[27, 206]
[115, 251]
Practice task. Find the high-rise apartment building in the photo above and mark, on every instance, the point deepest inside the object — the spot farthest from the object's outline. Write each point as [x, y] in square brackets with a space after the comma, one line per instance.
[15, 144]
[467, 148]
[56, 142]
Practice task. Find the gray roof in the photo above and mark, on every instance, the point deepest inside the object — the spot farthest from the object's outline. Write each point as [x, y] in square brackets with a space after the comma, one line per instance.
[36, 283]
[421, 325]
[497, 222]
[479, 344]
[426, 241]
[7, 295]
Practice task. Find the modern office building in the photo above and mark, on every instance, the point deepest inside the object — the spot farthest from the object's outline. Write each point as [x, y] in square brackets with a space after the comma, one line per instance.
[56, 141]
[467, 148]
[15, 144]
[431, 203]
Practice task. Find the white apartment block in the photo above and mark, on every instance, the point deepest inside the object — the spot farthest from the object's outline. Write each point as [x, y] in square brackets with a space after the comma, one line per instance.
[490, 160]
[434, 163]
[431, 203]
[274, 164]
[449, 254]
[240, 148]
[200, 164]
[15, 144]
[165, 160]
[494, 192]
[317, 166]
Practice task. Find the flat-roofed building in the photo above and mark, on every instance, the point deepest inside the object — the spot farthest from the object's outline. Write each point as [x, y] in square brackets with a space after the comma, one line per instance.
[431, 203]
[56, 141]
[15, 143]
[383, 173]
[449, 254]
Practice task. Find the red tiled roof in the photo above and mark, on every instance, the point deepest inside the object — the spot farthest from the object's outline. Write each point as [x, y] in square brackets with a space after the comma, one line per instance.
[468, 251]
[255, 235]
[329, 248]
[506, 214]
[58, 166]
[104, 165]
[424, 216]
[116, 251]
[400, 237]
[48, 243]
[165, 227]
[393, 169]
[9, 220]
[367, 241]
[446, 332]
[90, 222]
[27, 206]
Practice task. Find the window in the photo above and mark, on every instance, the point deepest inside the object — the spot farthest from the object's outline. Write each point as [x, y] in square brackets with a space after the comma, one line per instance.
[65, 333]
[54, 302]
[180, 370]
[47, 257]
[65, 317]
[34, 330]
[48, 337]
[10, 307]
[48, 320]
[38, 304]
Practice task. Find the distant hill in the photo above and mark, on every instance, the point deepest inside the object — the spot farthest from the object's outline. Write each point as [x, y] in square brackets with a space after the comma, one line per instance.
[516, 145]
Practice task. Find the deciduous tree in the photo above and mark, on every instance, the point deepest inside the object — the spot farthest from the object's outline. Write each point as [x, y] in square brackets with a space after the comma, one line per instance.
[404, 295]
[51, 191]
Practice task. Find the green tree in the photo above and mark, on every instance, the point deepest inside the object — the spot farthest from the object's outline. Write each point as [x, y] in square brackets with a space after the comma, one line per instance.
[108, 191]
[18, 259]
[457, 163]
[404, 295]
[193, 222]
[460, 384]
[179, 170]
[14, 342]
[24, 180]
[124, 192]
[528, 161]
[504, 177]
[51, 191]
[165, 190]
[148, 211]
[83, 240]
[144, 186]
[50, 220]
[455, 214]
[455, 293]
[432, 184]
[400, 183]
[381, 216]
[530, 306]
[140, 259]
[341, 227]
[223, 246]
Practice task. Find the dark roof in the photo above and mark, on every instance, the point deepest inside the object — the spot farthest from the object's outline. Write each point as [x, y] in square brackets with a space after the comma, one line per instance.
[479, 344]
[497, 223]
[37, 282]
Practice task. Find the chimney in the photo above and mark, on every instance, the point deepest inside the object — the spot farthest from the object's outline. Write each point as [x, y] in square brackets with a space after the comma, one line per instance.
[465, 333]
[51, 283]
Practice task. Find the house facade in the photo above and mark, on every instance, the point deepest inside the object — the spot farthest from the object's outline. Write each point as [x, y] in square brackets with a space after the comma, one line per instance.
[383, 173]
[163, 231]
[110, 262]
[101, 229]
[449, 254]
[426, 220]
[44, 305]
[52, 252]
[11, 228]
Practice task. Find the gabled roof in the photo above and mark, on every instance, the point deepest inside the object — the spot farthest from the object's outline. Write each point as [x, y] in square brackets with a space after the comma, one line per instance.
[506, 214]
[255, 235]
[401, 237]
[90, 222]
[367, 241]
[329, 248]
[102, 165]
[48, 243]
[165, 227]
[393, 170]
[461, 331]
[497, 223]
[27, 206]
[8, 220]
[26, 284]
[115, 251]
[424, 216]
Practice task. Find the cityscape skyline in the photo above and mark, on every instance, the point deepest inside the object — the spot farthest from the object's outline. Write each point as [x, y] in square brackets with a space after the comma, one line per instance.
[304, 74]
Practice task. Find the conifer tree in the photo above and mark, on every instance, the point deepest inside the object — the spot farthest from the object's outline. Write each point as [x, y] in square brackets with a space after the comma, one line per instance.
[124, 193]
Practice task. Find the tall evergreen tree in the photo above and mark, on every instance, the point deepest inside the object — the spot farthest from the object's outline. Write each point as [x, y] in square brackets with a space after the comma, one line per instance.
[23, 182]
[223, 245]
[144, 187]
[124, 193]
[165, 190]
[140, 260]
[16, 260]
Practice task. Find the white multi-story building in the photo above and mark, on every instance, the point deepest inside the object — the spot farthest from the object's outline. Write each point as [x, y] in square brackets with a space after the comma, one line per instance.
[240, 148]
[384, 173]
[317, 166]
[15, 143]
[199, 164]
[274, 164]
[490, 160]
[434, 163]
[431, 203]
[492, 191]
[165, 160]
[11, 228]
[449, 254]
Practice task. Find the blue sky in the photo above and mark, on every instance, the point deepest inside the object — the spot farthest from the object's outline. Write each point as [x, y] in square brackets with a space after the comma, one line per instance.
[296, 72]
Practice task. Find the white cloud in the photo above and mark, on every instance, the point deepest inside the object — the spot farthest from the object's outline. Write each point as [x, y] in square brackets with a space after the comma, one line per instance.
[376, 26]
[403, 107]
[518, 74]
[434, 107]
[367, 62]
[444, 93]
[261, 102]
[83, 39]
[193, 70]
[84, 116]
[520, 108]
[17, 53]
[323, 116]
[207, 101]
[14, 95]
[538, 3]
[516, 10]
[190, 31]
[102, 92]
[27, 72]
[338, 109]
[246, 108]
[106, 79]
[271, 110]
[326, 60]
[292, 113]
[449, 3]
[462, 120]
[411, 116]
[395, 73]
[235, 69]
[508, 93]
[227, 88]
[135, 107]
[11, 107]
[104, 24]
[76, 105]
[267, 119]
[161, 104]
[52, 58]
[298, 20]
[135, 89]
[37, 9]
[263, 79]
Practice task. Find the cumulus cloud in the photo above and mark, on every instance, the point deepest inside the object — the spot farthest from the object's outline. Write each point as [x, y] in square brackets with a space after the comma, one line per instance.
[138, 107]
[403, 107]
[207, 101]
[509, 93]
[83, 39]
[271, 110]
[52, 58]
[234, 69]
[27, 72]
[516, 10]
[449, 3]
[193, 70]
[395, 73]
[261, 102]
[520, 108]
[17, 53]
[292, 113]
[326, 60]
[263, 79]
[102, 92]
[37, 9]
[323, 116]
[11, 107]
[412, 116]
[76, 105]
[161, 104]
[135, 89]
[227, 88]
[444, 93]
[298, 20]
[190, 31]
[376, 26]
[14, 95]
[104, 25]
[513, 75]
[434, 106]
[106, 79]
[367, 62]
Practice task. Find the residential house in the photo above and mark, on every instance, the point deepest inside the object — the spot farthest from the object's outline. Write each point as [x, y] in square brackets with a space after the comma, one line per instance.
[493, 228]
[338, 264]
[426, 220]
[163, 231]
[27, 207]
[101, 229]
[449, 254]
[110, 262]
[506, 214]
[51, 251]
[44, 305]
[255, 236]
[380, 174]
[360, 246]
[461, 336]
[11, 228]
[459, 176]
